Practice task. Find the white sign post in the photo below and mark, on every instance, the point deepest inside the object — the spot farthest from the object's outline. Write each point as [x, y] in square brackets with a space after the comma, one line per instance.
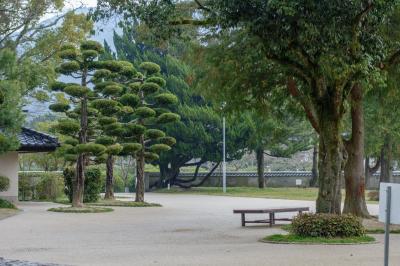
[389, 211]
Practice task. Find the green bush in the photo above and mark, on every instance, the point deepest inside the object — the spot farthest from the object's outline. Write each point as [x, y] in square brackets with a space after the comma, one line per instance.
[4, 183]
[93, 183]
[50, 187]
[4, 204]
[40, 185]
[326, 225]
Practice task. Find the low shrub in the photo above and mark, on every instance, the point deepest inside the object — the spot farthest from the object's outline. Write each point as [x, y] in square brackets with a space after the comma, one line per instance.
[50, 187]
[326, 225]
[4, 183]
[373, 195]
[40, 185]
[4, 204]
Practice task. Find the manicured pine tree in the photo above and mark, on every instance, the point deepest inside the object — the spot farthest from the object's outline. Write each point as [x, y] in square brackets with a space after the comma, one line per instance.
[133, 107]
[111, 81]
[78, 63]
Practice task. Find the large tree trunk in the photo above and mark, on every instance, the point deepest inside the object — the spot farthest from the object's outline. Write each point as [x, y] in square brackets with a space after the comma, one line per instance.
[260, 167]
[330, 161]
[140, 163]
[109, 195]
[314, 171]
[354, 169]
[79, 182]
[386, 160]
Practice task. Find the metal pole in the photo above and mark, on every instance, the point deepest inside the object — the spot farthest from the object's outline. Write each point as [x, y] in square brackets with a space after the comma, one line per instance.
[387, 223]
[223, 155]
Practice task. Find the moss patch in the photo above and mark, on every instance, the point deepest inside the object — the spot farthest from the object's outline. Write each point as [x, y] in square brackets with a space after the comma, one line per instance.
[4, 204]
[86, 209]
[293, 239]
[119, 203]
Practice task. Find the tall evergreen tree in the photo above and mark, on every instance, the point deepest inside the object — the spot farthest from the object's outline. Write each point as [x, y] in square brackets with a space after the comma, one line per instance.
[79, 64]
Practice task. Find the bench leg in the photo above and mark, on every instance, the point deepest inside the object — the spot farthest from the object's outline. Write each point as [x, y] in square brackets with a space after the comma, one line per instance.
[271, 219]
[243, 219]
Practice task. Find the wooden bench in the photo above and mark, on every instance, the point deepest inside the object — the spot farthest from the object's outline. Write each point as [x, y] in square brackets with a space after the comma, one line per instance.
[271, 213]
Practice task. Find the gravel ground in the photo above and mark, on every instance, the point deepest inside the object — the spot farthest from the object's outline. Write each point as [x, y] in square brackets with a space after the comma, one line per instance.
[187, 230]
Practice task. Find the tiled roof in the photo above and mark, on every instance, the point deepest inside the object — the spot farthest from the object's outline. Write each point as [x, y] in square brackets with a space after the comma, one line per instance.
[34, 141]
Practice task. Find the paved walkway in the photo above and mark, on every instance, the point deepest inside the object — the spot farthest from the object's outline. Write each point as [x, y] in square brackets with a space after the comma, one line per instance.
[188, 230]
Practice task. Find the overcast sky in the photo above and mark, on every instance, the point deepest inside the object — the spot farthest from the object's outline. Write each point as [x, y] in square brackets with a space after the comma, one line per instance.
[71, 4]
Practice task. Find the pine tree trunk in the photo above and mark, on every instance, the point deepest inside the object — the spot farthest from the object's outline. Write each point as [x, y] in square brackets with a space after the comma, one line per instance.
[329, 162]
[140, 163]
[109, 195]
[314, 171]
[386, 160]
[354, 169]
[260, 167]
[79, 182]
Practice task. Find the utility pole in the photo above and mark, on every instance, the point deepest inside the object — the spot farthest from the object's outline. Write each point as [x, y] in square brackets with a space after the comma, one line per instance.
[223, 157]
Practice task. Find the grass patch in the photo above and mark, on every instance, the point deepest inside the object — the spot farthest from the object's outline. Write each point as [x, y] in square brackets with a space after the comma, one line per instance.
[271, 193]
[120, 203]
[291, 193]
[293, 239]
[5, 204]
[86, 209]
[381, 231]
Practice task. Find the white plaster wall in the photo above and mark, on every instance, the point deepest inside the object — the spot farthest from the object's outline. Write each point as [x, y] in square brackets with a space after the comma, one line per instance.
[9, 168]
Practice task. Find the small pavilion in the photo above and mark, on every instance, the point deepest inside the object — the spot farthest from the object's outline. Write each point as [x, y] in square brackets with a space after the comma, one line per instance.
[31, 141]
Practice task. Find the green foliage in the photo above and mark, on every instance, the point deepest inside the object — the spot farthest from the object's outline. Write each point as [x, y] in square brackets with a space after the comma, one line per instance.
[166, 98]
[40, 185]
[58, 86]
[150, 68]
[170, 141]
[154, 133]
[68, 54]
[294, 239]
[92, 183]
[88, 209]
[151, 156]
[68, 126]
[102, 73]
[71, 141]
[131, 148]
[145, 112]
[158, 80]
[50, 187]
[106, 106]
[92, 45]
[76, 90]
[4, 204]
[132, 129]
[134, 87]
[67, 68]
[4, 183]
[327, 225]
[129, 99]
[105, 140]
[13, 82]
[92, 148]
[168, 118]
[158, 148]
[114, 149]
[149, 88]
[112, 90]
[107, 120]
[59, 107]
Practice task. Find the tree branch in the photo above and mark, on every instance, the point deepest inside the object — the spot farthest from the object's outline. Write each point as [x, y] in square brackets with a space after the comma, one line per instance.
[305, 102]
